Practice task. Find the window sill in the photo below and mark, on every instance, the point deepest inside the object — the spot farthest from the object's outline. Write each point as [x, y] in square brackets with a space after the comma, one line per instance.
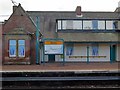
[91, 31]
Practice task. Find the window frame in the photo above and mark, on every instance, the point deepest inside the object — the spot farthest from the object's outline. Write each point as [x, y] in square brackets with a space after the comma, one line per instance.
[88, 27]
[10, 48]
[100, 25]
[17, 49]
[108, 28]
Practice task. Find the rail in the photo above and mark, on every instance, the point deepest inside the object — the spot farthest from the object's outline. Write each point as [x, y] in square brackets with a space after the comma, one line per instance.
[60, 78]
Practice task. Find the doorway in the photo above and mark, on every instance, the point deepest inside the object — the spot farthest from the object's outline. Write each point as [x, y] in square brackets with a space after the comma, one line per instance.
[113, 53]
[51, 58]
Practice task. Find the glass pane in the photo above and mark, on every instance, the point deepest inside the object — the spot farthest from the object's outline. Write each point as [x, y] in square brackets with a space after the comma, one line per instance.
[12, 51]
[69, 24]
[59, 24]
[110, 25]
[21, 50]
[77, 24]
[115, 24]
[64, 24]
[95, 24]
[12, 42]
[21, 42]
[101, 24]
[87, 24]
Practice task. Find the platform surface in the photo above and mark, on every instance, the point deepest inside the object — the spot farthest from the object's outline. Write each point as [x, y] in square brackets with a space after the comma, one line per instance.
[76, 67]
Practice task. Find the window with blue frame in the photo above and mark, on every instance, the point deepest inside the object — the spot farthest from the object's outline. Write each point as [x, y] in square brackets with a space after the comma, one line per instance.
[16, 48]
[95, 49]
[12, 48]
[21, 48]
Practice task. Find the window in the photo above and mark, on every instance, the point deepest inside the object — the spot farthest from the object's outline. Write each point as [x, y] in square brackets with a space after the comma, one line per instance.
[95, 50]
[115, 24]
[87, 24]
[17, 48]
[69, 24]
[110, 25]
[21, 48]
[12, 48]
[95, 24]
[77, 24]
[101, 24]
[59, 24]
[64, 24]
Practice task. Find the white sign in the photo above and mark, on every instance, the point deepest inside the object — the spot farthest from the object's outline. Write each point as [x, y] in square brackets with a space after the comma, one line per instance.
[53, 47]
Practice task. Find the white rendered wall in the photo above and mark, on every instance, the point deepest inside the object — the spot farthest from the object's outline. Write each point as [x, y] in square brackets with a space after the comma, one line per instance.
[104, 50]
[118, 52]
[81, 50]
[78, 50]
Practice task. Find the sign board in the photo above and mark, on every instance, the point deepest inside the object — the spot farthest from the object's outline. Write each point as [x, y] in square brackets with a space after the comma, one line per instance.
[53, 46]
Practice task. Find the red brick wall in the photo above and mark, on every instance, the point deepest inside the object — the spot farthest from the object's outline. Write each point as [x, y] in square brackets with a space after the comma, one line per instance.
[19, 19]
[26, 59]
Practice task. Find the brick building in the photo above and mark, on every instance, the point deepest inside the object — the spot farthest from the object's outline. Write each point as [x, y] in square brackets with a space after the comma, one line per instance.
[19, 38]
[88, 36]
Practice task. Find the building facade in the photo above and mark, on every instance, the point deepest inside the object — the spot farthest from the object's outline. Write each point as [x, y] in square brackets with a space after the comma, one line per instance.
[19, 38]
[87, 36]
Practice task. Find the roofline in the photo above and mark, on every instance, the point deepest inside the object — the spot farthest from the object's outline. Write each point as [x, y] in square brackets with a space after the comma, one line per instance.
[72, 11]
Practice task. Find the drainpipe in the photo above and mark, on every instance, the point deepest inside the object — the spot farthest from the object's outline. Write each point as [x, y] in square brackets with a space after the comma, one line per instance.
[37, 40]
[87, 54]
[111, 55]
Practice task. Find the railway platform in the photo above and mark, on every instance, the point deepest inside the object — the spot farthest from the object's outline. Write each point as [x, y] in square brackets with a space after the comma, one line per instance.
[67, 76]
[54, 67]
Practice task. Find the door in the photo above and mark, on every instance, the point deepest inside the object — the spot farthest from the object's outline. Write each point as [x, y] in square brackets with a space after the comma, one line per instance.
[113, 53]
[51, 58]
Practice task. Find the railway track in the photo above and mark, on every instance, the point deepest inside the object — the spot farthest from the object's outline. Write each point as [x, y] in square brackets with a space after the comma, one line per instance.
[60, 80]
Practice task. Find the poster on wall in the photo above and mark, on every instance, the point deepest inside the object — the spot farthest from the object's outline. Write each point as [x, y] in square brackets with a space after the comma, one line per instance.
[95, 49]
[69, 50]
[53, 47]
